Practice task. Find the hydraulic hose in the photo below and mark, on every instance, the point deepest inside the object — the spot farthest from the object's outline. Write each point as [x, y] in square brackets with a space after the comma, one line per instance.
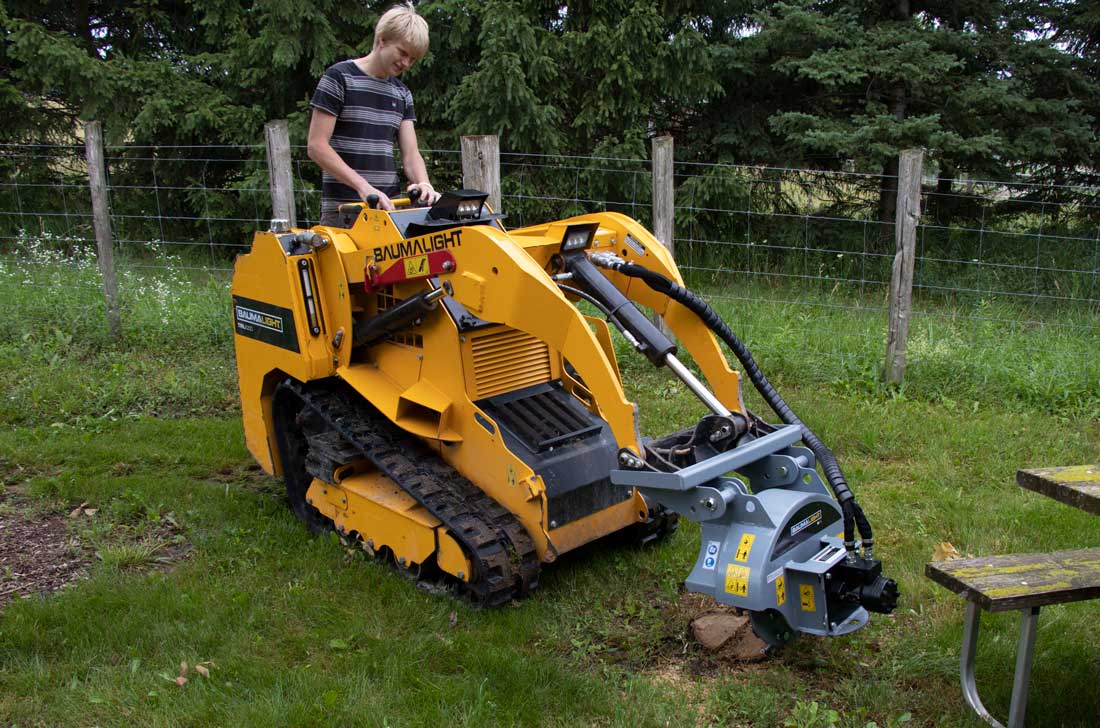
[852, 512]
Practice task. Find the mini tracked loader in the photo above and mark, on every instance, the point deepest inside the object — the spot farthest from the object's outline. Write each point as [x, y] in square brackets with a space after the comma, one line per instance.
[425, 383]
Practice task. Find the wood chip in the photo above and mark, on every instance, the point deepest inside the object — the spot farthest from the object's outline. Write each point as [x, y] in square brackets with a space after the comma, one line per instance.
[945, 551]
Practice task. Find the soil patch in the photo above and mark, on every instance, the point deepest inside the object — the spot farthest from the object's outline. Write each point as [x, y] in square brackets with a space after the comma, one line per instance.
[705, 637]
[38, 554]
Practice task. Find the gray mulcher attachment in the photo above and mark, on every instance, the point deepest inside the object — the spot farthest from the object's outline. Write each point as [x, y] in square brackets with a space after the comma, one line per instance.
[773, 547]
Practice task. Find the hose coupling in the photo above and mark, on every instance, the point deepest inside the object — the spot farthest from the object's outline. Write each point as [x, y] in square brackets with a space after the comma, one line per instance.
[606, 259]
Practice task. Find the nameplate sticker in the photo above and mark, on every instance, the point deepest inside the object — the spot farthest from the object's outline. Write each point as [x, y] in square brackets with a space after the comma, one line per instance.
[265, 322]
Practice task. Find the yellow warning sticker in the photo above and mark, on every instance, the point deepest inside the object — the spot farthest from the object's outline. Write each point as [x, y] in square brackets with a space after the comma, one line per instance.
[806, 593]
[781, 591]
[745, 547]
[737, 580]
[416, 266]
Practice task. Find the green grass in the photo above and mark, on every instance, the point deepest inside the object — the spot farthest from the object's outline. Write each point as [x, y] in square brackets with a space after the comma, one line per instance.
[297, 631]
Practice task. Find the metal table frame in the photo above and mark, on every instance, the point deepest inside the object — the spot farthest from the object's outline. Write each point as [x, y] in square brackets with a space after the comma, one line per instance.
[1025, 651]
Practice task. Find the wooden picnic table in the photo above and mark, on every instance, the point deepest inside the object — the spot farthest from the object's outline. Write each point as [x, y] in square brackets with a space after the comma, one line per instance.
[1025, 582]
[1075, 485]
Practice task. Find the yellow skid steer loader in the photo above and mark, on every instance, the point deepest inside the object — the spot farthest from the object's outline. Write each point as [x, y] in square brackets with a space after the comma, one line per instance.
[425, 383]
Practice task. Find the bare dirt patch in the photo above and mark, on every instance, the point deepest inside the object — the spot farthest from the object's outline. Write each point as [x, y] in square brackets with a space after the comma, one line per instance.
[38, 553]
[718, 632]
[249, 476]
[706, 638]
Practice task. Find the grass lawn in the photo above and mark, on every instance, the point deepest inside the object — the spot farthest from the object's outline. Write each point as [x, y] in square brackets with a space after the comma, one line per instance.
[193, 558]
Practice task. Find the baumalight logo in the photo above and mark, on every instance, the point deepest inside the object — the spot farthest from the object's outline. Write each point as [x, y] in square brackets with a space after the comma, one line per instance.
[418, 246]
[258, 318]
[805, 523]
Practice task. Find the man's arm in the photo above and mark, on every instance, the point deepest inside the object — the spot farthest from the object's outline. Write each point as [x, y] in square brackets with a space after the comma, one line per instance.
[415, 169]
[321, 125]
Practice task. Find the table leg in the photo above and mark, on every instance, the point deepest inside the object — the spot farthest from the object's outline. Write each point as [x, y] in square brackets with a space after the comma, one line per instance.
[1025, 650]
[969, 649]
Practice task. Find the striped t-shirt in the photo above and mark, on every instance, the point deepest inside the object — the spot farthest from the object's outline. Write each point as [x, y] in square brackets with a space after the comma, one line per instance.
[368, 111]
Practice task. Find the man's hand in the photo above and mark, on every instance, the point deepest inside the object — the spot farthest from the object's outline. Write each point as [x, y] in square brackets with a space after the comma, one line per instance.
[365, 190]
[428, 195]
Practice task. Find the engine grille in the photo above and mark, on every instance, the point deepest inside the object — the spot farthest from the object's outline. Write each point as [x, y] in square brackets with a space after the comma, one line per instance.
[505, 360]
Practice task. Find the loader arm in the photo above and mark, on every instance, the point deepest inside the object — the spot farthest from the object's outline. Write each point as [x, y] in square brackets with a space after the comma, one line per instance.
[495, 279]
[644, 249]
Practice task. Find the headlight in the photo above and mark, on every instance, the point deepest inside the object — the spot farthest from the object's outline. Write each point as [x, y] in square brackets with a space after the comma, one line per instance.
[579, 236]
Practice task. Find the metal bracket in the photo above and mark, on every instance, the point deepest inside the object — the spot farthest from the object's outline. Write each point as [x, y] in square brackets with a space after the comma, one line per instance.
[711, 468]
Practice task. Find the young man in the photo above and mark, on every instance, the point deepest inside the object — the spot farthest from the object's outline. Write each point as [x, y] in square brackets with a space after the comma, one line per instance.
[359, 108]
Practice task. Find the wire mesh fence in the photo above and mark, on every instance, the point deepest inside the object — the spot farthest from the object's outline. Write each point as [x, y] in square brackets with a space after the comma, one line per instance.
[795, 248]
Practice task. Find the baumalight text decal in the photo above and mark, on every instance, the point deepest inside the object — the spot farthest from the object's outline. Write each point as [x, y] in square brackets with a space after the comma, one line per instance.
[265, 322]
[418, 246]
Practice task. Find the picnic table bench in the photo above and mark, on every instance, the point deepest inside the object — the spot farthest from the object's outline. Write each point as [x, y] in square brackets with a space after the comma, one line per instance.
[1024, 582]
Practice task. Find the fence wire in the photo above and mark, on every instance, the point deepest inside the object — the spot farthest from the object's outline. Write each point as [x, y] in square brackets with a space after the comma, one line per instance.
[774, 246]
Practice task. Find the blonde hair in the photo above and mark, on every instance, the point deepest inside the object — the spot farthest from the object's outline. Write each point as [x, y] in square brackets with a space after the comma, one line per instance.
[402, 23]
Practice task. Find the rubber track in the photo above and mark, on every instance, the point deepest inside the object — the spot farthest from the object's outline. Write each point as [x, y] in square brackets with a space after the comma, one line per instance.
[505, 563]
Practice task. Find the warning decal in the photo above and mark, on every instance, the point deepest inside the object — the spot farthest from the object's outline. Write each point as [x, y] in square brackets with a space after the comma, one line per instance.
[737, 580]
[806, 596]
[417, 266]
[745, 547]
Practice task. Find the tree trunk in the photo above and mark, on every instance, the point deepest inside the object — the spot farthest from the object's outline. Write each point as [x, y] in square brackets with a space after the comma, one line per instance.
[888, 187]
[888, 201]
[941, 205]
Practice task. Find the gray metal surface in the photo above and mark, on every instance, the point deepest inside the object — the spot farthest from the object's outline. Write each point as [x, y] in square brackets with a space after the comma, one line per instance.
[708, 470]
[1025, 652]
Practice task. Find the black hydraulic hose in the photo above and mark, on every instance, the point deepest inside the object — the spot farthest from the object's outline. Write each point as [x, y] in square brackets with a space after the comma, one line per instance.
[853, 514]
[594, 301]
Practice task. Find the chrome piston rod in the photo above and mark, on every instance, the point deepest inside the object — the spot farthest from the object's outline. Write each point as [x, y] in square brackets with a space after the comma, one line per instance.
[698, 388]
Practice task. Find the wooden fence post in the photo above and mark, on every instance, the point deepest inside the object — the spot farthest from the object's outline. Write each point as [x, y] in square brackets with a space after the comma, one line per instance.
[101, 221]
[663, 204]
[663, 186]
[279, 168]
[481, 166]
[910, 173]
